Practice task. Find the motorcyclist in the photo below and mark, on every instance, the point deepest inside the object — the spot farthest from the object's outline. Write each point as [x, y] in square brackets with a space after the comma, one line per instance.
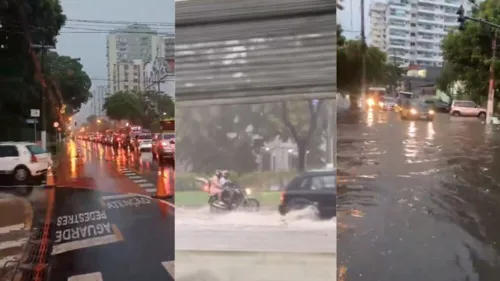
[227, 191]
[215, 183]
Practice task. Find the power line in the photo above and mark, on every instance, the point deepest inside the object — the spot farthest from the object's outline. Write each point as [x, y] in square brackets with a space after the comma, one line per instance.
[170, 24]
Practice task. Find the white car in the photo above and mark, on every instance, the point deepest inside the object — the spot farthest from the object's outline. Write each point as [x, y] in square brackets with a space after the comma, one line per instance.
[23, 161]
[145, 142]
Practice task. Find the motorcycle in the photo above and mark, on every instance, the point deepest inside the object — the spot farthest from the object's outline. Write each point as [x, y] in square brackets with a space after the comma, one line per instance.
[241, 199]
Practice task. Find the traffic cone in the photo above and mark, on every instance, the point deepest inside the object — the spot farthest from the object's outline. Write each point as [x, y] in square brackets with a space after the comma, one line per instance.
[50, 182]
[164, 185]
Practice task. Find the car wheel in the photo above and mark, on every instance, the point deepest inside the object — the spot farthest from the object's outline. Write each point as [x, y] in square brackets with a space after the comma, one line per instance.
[482, 115]
[299, 204]
[455, 113]
[21, 175]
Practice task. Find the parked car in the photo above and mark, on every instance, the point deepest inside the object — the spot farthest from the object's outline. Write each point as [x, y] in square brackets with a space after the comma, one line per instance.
[467, 108]
[312, 188]
[23, 163]
[416, 110]
[438, 105]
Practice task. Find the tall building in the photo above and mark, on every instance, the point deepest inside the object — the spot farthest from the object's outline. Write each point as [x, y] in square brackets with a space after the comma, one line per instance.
[377, 25]
[124, 48]
[128, 76]
[414, 29]
[99, 94]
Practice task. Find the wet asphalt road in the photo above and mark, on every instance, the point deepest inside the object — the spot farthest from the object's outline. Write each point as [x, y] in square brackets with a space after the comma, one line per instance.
[422, 200]
[105, 225]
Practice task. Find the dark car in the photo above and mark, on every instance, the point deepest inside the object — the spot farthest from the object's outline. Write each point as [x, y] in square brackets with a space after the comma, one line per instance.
[438, 105]
[416, 110]
[313, 188]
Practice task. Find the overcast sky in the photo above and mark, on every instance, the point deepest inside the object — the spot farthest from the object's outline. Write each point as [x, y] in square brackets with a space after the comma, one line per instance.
[91, 47]
[350, 18]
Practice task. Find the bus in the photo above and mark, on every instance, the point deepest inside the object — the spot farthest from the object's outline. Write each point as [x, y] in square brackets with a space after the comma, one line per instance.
[375, 97]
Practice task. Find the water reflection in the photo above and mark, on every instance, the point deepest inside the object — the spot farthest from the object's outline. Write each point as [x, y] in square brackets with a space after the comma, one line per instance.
[430, 131]
[369, 118]
[441, 216]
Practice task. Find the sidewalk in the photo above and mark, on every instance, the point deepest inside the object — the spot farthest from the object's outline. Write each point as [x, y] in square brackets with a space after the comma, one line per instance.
[16, 216]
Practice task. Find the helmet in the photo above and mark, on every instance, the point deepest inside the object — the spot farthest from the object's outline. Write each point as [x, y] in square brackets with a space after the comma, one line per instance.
[218, 173]
[225, 174]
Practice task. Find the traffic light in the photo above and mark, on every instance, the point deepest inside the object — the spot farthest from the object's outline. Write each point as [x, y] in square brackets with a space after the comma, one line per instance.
[461, 18]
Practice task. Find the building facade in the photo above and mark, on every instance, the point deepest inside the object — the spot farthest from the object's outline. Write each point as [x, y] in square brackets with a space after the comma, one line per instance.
[125, 47]
[160, 72]
[377, 25]
[99, 94]
[414, 29]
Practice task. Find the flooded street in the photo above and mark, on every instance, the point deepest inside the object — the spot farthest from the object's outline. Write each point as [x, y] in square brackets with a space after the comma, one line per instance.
[421, 201]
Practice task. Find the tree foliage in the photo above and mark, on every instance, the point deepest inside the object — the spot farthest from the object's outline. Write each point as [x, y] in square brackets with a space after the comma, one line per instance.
[141, 108]
[468, 54]
[235, 137]
[71, 80]
[25, 24]
[349, 65]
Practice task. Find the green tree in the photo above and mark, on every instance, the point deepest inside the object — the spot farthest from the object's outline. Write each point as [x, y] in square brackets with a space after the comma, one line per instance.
[298, 121]
[71, 80]
[33, 22]
[141, 108]
[468, 54]
[124, 106]
[349, 70]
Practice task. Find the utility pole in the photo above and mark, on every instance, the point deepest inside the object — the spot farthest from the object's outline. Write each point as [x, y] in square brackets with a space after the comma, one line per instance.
[491, 90]
[43, 98]
[329, 157]
[363, 50]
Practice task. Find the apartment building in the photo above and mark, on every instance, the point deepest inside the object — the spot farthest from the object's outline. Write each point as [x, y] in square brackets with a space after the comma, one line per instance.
[125, 47]
[99, 94]
[377, 25]
[414, 29]
[129, 76]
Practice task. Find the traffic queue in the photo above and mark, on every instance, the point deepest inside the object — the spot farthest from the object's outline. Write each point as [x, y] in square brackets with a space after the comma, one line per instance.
[138, 139]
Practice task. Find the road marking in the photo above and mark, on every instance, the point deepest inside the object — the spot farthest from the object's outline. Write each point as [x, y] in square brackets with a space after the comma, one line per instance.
[140, 181]
[134, 177]
[9, 228]
[129, 174]
[151, 190]
[146, 184]
[86, 243]
[121, 196]
[9, 258]
[96, 276]
[170, 267]
[13, 244]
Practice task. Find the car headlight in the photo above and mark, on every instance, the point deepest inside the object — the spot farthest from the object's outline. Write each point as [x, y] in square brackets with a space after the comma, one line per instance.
[381, 104]
[413, 111]
[248, 191]
[371, 102]
[431, 112]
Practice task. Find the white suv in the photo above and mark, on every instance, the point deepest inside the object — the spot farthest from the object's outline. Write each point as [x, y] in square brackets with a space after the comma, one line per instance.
[467, 108]
[23, 161]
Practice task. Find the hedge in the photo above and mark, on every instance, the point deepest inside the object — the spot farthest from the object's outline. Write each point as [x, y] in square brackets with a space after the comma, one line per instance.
[255, 180]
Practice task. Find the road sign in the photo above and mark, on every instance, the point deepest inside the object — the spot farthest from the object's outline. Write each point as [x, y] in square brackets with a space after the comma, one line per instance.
[31, 121]
[35, 113]
[56, 124]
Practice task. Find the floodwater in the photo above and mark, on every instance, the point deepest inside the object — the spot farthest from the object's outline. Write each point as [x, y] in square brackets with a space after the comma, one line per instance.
[298, 231]
[420, 200]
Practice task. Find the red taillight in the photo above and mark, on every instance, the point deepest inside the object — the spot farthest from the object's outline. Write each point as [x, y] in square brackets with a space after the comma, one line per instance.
[34, 159]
